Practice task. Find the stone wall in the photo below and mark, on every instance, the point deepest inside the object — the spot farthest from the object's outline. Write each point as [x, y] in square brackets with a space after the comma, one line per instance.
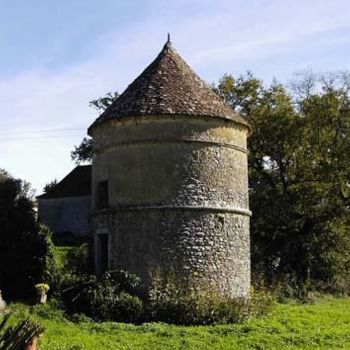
[66, 215]
[178, 198]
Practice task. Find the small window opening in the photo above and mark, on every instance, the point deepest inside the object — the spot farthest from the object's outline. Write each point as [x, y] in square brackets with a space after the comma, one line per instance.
[102, 195]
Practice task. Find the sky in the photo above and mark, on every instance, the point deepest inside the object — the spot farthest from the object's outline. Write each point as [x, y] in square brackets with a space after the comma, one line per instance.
[56, 56]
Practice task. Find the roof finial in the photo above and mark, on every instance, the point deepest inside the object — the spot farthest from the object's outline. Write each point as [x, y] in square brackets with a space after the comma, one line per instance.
[167, 45]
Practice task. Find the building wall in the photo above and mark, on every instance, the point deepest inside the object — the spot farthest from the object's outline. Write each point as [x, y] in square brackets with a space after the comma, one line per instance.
[178, 198]
[68, 214]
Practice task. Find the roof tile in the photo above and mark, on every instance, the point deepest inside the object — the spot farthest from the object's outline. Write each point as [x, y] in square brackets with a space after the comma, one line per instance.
[168, 86]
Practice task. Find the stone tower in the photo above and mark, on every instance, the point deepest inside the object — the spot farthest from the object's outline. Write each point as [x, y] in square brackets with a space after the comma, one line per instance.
[170, 180]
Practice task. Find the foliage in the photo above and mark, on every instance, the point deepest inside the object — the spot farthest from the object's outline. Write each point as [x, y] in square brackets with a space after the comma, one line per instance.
[45, 259]
[261, 303]
[42, 287]
[192, 307]
[26, 250]
[128, 308]
[112, 296]
[174, 300]
[16, 338]
[72, 263]
[48, 187]
[84, 152]
[118, 296]
[102, 103]
[61, 254]
[78, 260]
[323, 325]
[299, 175]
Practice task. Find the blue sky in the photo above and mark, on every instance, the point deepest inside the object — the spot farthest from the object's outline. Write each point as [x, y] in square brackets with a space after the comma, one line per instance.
[55, 56]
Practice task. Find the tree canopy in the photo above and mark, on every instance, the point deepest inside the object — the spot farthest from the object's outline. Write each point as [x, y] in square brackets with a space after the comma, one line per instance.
[26, 255]
[84, 152]
[299, 174]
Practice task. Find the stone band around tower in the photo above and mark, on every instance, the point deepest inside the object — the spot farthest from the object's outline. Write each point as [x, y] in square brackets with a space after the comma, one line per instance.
[179, 205]
[170, 181]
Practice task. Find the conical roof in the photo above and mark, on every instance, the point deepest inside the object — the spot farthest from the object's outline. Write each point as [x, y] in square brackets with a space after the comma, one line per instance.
[168, 86]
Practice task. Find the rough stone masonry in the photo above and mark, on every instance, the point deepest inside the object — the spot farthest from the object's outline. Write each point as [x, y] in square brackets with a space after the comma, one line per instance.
[170, 181]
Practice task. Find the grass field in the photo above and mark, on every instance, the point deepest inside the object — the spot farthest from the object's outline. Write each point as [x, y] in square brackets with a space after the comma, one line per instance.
[322, 325]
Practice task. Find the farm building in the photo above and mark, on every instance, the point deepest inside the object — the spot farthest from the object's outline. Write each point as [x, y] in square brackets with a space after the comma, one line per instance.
[65, 208]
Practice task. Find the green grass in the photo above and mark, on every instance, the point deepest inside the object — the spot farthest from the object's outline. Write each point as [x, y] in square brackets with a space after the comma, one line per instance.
[322, 325]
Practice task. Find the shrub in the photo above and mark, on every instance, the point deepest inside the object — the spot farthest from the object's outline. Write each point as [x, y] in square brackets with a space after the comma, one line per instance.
[49, 311]
[79, 318]
[128, 308]
[124, 281]
[73, 265]
[289, 287]
[20, 336]
[113, 296]
[78, 260]
[198, 308]
[42, 287]
[174, 300]
[261, 302]
[116, 296]
[26, 249]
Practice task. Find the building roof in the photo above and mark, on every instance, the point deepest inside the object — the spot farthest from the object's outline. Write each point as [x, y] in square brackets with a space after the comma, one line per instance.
[168, 86]
[76, 184]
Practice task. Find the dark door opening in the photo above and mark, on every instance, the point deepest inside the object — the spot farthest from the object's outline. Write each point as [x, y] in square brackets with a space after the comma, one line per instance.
[103, 255]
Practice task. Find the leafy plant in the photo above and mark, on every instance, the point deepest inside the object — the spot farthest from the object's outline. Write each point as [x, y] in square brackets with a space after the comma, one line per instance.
[42, 287]
[298, 176]
[78, 260]
[175, 300]
[17, 337]
[26, 249]
[112, 296]
[85, 151]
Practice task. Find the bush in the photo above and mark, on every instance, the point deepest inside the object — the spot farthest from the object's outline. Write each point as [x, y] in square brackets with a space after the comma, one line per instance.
[290, 287]
[261, 302]
[20, 336]
[197, 308]
[73, 263]
[26, 249]
[128, 308]
[174, 300]
[49, 311]
[117, 296]
[113, 296]
[42, 287]
[78, 260]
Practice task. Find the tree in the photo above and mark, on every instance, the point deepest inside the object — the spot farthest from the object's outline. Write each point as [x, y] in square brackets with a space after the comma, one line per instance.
[26, 251]
[299, 175]
[102, 103]
[48, 187]
[84, 152]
